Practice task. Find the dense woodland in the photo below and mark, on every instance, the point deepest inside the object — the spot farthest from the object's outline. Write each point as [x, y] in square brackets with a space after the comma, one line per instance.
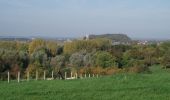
[97, 56]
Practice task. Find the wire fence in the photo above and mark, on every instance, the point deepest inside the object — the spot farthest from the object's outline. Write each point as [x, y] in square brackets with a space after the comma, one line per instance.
[44, 76]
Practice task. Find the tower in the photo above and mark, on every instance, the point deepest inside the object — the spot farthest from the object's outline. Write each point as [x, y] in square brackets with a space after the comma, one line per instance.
[87, 37]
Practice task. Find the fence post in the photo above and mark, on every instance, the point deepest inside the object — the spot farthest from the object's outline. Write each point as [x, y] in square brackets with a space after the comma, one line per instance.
[85, 75]
[65, 75]
[93, 75]
[18, 77]
[97, 75]
[8, 76]
[89, 75]
[28, 76]
[52, 75]
[44, 75]
[36, 75]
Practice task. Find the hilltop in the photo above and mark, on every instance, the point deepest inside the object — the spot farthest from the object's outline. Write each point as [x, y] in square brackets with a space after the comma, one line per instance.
[113, 37]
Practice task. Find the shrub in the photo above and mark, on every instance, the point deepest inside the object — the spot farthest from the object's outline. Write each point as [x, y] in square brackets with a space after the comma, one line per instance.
[112, 70]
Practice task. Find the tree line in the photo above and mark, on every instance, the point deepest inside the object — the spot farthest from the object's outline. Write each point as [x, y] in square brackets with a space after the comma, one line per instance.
[82, 56]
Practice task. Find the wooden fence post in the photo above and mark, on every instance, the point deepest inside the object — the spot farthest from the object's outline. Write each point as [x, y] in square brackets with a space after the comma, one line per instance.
[89, 75]
[44, 75]
[85, 75]
[8, 76]
[93, 75]
[18, 77]
[97, 75]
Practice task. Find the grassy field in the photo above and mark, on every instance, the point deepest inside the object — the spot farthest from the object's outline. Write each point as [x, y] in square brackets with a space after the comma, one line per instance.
[154, 86]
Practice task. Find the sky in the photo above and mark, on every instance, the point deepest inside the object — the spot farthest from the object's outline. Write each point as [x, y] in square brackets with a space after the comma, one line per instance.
[76, 18]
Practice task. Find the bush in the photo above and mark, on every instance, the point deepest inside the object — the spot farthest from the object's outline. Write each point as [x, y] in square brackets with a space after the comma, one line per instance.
[111, 71]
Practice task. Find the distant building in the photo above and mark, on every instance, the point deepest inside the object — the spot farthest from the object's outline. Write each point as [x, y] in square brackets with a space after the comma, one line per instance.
[142, 43]
[116, 43]
[68, 40]
[120, 43]
[87, 37]
[33, 38]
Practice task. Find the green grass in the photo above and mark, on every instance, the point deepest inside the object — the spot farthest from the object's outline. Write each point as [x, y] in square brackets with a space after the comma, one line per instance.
[154, 86]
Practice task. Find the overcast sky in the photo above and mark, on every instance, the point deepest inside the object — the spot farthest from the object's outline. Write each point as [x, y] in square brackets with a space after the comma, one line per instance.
[75, 18]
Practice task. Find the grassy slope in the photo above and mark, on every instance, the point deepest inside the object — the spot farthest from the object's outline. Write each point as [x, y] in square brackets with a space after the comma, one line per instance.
[155, 86]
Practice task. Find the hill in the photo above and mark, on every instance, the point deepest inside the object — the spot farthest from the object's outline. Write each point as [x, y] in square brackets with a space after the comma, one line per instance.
[113, 37]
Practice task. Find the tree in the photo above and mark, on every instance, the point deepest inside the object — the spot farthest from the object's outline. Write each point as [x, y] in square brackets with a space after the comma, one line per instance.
[23, 59]
[8, 45]
[150, 56]
[22, 47]
[88, 45]
[57, 62]
[40, 58]
[165, 56]
[52, 47]
[88, 60]
[166, 60]
[104, 59]
[37, 43]
[76, 59]
[133, 57]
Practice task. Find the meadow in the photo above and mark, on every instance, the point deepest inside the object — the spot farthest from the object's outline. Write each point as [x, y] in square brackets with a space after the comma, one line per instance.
[146, 86]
